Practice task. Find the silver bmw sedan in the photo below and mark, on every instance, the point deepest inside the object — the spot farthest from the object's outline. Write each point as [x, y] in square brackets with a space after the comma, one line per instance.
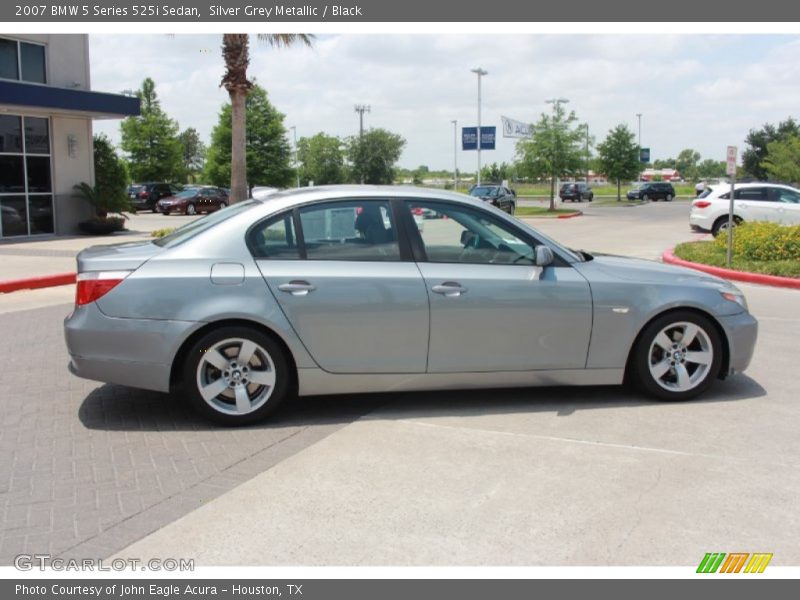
[348, 289]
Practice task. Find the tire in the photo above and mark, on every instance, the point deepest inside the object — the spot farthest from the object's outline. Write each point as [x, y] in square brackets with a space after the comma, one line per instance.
[191, 210]
[213, 364]
[591, 197]
[154, 207]
[645, 198]
[668, 198]
[222, 205]
[512, 208]
[664, 367]
[579, 198]
[721, 224]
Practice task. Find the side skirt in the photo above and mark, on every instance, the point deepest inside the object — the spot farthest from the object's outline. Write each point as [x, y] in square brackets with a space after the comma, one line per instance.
[314, 382]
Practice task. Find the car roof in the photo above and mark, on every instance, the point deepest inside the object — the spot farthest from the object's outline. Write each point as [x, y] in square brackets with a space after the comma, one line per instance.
[751, 184]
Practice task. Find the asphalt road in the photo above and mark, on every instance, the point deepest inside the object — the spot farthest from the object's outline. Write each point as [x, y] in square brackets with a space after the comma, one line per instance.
[546, 476]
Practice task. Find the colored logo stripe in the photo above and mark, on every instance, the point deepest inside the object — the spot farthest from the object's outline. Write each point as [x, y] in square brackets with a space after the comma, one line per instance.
[734, 562]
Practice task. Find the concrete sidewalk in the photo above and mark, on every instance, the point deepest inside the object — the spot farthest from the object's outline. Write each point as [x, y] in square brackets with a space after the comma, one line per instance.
[40, 257]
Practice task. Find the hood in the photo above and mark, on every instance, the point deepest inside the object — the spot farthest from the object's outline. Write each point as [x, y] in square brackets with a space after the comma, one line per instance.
[117, 257]
[651, 271]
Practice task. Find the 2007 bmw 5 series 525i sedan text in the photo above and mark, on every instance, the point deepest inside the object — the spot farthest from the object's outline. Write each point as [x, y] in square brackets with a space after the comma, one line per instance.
[341, 290]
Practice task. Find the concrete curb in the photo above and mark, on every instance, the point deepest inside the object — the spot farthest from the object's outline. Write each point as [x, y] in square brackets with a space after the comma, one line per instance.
[577, 213]
[746, 276]
[35, 283]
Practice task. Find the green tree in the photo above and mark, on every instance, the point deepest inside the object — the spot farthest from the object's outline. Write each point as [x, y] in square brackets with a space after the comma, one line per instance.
[556, 148]
[709, 169]
[236, 53]
[497, 172]
[619, 156]
[269, 154]
[321, 159]
[151, 140]
[686, 163]
[109, 192]
[783, 159]
[373, 156]
[757, 143]
[665, 163]
[194, 153]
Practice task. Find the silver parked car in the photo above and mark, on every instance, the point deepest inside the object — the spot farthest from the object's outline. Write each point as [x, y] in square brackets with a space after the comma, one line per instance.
[333, 290]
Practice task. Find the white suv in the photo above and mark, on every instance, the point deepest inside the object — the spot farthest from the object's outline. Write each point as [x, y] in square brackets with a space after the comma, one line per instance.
[757, 201]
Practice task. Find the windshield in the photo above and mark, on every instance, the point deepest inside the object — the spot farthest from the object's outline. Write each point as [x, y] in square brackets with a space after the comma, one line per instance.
[186, 194]
[188, 231]
[482, 191]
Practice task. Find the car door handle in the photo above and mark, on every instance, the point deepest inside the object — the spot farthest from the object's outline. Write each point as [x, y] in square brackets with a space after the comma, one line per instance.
[450, 289]
[297, 288]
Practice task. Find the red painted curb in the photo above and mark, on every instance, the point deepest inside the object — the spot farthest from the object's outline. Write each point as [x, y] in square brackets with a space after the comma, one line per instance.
[34, 283]
[570, 215]
[746, 276]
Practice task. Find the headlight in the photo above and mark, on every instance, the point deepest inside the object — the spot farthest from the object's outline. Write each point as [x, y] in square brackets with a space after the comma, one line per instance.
[734, 296]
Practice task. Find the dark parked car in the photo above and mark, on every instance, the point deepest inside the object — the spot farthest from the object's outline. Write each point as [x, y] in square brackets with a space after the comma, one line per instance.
[653, 191]
[576, 191]
[194, 200]
[145, 196]
[496, 195]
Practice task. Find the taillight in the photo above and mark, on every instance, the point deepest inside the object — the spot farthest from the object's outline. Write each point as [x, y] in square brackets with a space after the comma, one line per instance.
[416, 211]
[701, 203]
[144, 194]
[93, 285]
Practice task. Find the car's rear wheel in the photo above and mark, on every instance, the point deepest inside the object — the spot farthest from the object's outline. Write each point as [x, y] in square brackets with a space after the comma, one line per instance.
[677, 356]
[222, 205]
[236, 376]
[721, 225]
[512, 208]
[669, 198]
[190, 209]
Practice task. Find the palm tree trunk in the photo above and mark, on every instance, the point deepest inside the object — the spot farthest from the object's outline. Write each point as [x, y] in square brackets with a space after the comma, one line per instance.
[239, 190]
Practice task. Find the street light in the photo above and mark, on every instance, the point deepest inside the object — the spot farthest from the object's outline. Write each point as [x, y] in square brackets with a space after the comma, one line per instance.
[556, 102]
[480, 73]
[296, 162]
[455, 154]
[639, 116]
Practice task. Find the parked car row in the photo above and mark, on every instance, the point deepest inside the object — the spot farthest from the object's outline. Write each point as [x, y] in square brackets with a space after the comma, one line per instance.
[168, 198]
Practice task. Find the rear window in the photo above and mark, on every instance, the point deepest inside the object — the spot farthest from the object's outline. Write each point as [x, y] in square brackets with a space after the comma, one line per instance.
[194, 228]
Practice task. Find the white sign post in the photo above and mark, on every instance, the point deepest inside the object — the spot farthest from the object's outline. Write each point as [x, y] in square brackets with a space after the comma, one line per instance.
[730, 170]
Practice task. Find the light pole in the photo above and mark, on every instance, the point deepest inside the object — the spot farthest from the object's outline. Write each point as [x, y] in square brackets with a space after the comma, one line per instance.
[361, 109]
[639, 116]
[296, 162]
[480, 73]
[556, 102]
[455, 154]
[586, 125]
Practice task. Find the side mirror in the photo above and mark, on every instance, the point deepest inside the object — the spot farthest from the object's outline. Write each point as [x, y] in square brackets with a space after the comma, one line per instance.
[544, 256]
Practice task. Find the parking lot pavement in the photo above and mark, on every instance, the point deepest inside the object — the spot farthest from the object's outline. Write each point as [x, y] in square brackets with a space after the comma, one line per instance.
[87, 468]
[550, 476]
[531, 476]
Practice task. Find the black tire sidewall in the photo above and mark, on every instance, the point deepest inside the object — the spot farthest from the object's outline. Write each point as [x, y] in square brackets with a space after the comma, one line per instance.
[192, 361]
[640, 358]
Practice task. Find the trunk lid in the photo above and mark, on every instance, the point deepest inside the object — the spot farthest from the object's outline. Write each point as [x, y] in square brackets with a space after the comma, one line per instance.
[127, 256]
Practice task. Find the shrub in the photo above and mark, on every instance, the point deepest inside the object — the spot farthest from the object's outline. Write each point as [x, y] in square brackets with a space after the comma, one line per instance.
[764, 241]
[159, 233]
[102, 226]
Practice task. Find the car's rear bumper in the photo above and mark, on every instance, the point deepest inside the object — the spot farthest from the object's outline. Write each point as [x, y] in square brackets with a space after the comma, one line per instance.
[742, 332]
[134, 352]
[701, 221]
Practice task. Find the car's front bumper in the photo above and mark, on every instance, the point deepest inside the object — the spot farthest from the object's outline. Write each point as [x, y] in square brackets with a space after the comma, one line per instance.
[134, 352]
[741, 331]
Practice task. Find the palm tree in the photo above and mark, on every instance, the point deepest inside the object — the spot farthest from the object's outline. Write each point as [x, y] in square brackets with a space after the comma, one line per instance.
[236, 52]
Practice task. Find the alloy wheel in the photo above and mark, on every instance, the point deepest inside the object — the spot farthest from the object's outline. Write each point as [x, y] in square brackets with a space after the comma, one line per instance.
[680, 356]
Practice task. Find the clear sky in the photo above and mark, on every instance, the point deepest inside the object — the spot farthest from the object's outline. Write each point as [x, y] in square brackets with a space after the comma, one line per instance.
[695, 91]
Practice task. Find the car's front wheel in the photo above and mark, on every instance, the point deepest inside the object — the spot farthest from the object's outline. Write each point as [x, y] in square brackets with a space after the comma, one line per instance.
[677, 356]
[190, 209]
[669, 198]
[646, 198]
[236, 376]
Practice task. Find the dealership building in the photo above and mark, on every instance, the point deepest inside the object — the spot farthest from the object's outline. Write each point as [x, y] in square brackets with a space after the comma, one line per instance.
[46, 113]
